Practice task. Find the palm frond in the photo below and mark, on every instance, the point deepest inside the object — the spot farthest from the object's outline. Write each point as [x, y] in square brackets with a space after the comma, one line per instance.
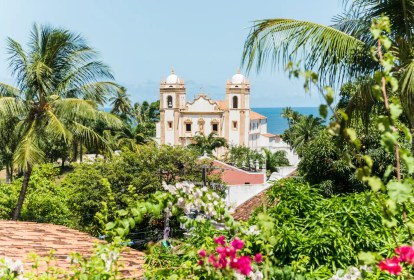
[322, 48]
[56, 127]
[10, 106]
[28, 151]
[407, 90]
[96, 91]
[8, 90]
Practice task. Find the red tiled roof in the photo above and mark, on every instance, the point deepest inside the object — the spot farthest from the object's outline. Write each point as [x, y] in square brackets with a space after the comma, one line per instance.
[234, 176]
[18, 239]
[269, 135]
[245, 210]
[223, 104]
[256, 116]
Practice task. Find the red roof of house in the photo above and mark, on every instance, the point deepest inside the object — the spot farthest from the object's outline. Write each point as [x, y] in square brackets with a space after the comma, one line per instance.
[269, 135]
[256, 116]
[234, 176]
[18, 239]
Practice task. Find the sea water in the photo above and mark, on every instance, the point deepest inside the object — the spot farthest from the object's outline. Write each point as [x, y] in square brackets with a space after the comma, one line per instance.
[276, 124]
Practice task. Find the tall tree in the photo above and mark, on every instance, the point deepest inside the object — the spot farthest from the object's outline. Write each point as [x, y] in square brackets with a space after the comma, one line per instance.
[121, 104]
[208, 143]
[341, 52]
[51, 76]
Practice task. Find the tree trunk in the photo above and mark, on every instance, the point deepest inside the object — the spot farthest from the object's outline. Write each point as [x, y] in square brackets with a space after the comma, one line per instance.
[8, 175]
[74, 151]
[81, 151]
[63, 163]
[26, 178]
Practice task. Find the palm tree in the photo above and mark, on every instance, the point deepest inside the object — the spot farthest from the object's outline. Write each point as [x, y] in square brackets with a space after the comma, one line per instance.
[121, 104]
[208, 143]
[304, 131]
[341, 52]
[287, 114]
[274, 160]
[51, 76]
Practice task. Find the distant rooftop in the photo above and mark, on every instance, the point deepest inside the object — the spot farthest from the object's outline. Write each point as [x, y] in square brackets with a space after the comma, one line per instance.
[18, 239]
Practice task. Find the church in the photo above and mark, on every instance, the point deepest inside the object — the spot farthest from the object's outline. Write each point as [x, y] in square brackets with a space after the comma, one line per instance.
[231, 118]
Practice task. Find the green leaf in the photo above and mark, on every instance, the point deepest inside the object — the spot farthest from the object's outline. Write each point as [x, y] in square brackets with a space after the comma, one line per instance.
[375, 183]
[395, 111]
[367, 258]
[110, 226]
[323, 111]
[399, 192]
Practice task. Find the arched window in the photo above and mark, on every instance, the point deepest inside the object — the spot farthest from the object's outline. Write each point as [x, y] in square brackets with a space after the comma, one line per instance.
[169, 101]
[235, 102]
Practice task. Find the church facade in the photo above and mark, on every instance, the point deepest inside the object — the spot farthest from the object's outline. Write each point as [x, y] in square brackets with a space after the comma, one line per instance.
[231, 118]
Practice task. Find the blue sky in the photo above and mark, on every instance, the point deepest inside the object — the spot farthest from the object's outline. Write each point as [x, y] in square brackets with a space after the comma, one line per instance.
[142, 40]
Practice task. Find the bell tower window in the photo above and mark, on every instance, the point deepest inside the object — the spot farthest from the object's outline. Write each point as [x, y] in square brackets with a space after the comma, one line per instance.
[169, 101]
[235, 102]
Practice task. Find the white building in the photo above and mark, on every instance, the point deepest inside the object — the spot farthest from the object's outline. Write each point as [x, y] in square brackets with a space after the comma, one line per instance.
[231, 118]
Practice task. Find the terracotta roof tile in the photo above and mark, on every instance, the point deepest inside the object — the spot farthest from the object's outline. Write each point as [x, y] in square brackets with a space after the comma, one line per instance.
[256, 116]
[223, 104]
[234, 176]
[269, 135]
[18, 239]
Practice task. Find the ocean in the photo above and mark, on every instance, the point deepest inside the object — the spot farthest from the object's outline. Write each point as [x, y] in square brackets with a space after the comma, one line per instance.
[276, 124]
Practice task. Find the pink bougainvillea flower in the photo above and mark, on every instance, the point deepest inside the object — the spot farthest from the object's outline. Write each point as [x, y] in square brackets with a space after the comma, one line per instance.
[258, 258]
[223, 261]
[212, 259]
[220, 240]
[406, 254]
[237, 243]
[221, 250]
[244, 265]
[391, 265]
[200, 262]
[231, 252]
[202, 253]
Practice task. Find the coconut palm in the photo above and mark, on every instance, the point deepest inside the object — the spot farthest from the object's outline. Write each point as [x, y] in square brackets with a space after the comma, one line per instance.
[340, 52]
[51, 76]
[275, 160]
[287, 114]
[121, 104]
[208, 143]
[304, 131]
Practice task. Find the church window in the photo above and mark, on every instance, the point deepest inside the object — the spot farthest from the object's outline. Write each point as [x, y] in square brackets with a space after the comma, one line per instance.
[235, 102]
[234, 125]
[188, 127]
[169, 125]
[169, 101]
[215, 127]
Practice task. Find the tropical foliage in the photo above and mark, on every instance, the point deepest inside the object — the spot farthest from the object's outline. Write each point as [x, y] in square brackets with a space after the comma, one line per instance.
[341, 52]
[59, 82]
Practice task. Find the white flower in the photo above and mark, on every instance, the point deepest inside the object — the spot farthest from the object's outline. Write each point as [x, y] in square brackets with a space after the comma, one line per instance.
[258, 275]
[198, 193]
[253, 230]
[17, 267]
[204, 189]
[181, 202]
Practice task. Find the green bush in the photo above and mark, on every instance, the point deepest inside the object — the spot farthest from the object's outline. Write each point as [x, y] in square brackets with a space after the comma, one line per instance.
[45, 201]
[316, 233]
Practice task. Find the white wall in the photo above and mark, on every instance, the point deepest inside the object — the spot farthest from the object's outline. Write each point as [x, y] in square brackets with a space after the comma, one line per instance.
[236, 195]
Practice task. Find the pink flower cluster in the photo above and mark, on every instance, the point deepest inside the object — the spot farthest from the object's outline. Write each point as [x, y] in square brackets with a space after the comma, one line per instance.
[393, 265]
[226, 256]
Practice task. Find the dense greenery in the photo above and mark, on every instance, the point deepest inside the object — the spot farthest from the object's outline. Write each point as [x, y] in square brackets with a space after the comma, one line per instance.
[317, 233]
